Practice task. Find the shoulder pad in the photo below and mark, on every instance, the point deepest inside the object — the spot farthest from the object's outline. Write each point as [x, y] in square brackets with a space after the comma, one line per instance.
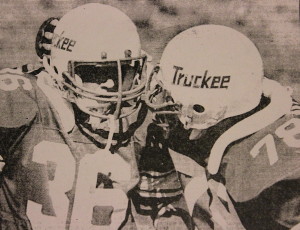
[11, 71]
[24, 69]
[17, 104]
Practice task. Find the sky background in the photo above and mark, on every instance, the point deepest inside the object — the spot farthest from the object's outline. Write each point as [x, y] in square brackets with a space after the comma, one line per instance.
[273, 25]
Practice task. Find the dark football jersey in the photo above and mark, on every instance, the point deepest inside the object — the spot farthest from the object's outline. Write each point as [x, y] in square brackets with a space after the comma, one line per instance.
[262, 174]
[166, 183]
[55, 178]
[254, 167]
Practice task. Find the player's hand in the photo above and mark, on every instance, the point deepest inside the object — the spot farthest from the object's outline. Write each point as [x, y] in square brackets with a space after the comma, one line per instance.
[44, 37]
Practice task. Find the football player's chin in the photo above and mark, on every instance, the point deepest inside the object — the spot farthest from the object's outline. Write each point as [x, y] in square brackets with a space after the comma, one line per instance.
[97, 123]
[104, 129]
[196, 133]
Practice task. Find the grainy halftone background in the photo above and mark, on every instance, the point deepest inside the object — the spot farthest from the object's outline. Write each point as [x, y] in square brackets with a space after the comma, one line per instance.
[273, 25]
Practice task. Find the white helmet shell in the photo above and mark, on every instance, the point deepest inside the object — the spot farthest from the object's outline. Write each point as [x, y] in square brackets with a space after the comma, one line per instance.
[93, 32]
[214, 72]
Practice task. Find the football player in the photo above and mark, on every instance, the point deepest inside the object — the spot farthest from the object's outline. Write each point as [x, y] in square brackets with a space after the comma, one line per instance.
[153, 163]
[233, 135]
[152, 196]
[66, 132]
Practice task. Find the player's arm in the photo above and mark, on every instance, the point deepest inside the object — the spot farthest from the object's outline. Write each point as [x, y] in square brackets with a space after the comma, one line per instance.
[18, 109]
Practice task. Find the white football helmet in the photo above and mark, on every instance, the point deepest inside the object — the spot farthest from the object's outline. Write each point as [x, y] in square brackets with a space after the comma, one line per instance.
[210, 72]
[96, 58]
[96, 61]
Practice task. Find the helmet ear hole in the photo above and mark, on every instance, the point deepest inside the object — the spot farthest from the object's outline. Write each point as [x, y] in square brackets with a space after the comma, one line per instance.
[169, 98]
[198, 108]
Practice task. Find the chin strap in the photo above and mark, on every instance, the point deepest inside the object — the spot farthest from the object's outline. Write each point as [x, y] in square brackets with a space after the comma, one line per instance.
[62, 107]
[112, 128]
[281, 103]
[48, 68]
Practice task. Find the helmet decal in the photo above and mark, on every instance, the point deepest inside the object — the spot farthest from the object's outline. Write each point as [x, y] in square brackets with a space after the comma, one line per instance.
[199, 81]
[63, 43]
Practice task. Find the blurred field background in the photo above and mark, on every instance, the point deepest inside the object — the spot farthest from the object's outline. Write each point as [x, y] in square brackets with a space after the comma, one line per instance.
[273, 25]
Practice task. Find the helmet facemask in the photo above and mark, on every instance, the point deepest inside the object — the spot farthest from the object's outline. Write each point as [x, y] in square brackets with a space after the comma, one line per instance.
[161, 103]
[102, 89]
[107, 91]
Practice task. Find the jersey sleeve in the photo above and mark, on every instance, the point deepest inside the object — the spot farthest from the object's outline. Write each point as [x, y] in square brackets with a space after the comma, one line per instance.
[17, 104]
